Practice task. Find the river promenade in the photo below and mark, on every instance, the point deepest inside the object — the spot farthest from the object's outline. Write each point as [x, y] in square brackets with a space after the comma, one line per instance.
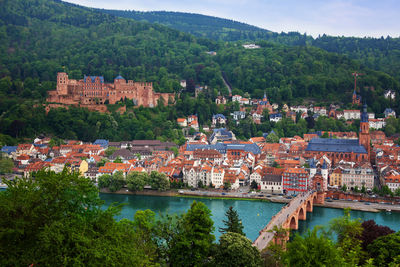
[337, 204]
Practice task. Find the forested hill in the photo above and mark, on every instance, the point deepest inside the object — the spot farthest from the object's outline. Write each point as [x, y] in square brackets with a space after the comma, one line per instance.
[41, 37]
[376, 53]
[199, 25]
[38, 38]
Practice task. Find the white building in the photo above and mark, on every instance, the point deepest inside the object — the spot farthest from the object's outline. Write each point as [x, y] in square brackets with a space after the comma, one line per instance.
[251, 46]
[238, 115]
[236, 98]
[393, 182]
[256, 176]
[302, 109]
[377, 123]
[272, 183]
[275, 117]
[390, 94]
[217, 177]
[351, 114]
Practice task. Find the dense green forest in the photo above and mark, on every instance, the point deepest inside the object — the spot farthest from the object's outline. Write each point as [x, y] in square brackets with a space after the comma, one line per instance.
[199, 25]
[376, 53]
[41, 37]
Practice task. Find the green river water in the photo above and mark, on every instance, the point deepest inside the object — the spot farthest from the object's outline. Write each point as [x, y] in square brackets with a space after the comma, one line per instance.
[254, 214]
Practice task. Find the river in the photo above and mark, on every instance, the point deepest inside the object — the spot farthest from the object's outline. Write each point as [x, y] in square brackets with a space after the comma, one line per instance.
[254, 214]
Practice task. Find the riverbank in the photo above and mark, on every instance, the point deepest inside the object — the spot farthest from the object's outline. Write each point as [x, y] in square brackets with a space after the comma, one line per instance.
[336, 204]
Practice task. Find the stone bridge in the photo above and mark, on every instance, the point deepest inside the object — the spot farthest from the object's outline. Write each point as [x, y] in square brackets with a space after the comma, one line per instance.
[288, 219]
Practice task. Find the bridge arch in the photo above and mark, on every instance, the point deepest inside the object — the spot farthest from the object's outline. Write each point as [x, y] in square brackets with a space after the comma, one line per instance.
[309, 206]
[293, 223]
[302, 214]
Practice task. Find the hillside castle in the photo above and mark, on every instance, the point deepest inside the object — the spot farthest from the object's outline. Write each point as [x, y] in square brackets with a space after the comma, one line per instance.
[93, 92]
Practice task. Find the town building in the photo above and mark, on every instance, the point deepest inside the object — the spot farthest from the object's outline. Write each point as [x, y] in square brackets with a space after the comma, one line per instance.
[352, 114]
[295, 180]
[275, 117]
[359, 175]
[389, 113]
[218, 119]
[220, 100]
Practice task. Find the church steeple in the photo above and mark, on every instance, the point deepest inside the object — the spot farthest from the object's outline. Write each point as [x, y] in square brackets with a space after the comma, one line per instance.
[364, 114]
[364, 138]
[265, 97]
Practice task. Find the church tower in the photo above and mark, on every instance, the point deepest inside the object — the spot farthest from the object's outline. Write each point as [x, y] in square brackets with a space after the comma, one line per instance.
[364, 137]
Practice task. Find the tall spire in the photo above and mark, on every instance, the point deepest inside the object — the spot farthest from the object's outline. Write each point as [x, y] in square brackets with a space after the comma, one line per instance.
[364, 114]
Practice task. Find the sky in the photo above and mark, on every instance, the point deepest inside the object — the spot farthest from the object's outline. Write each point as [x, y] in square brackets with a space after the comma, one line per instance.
[371, 18]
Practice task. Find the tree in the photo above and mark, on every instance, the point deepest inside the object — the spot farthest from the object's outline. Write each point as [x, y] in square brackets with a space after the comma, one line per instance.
[117, 181]
[136, 181]
[55, 141]
[372, 231]
[363, 189]
[254, 185]
[104, 181]
[348, 232]
[191, 245]
[385, 191]
[102, 162]
[233, 223]
[356, 190]
[227, 185]
[314, 249]
[57, 219]
[236, 250]
[272, 138]
[397, 192]
[159, 181]
[344, 188]
[386, 250]
[110, 150]
[6, 165]
[118, 160]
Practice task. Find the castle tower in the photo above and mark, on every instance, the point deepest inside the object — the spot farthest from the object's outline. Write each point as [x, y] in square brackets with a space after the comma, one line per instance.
[62, 83]
[364, 138]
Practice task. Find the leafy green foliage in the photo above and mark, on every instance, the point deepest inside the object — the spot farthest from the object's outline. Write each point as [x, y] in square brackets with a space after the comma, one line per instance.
[110, 150]
[233, 223]
[385, 250]
[104, 181]
[56, 219]
[348, 233]
[314, 249]
[254, 185]
[135, 181]
[272, 138]
[6, 164]
[191, 246]
[236, 250]
[117, 181]
[159, 181]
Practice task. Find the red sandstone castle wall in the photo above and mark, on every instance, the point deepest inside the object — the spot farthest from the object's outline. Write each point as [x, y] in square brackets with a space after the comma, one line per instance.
[91, 94]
